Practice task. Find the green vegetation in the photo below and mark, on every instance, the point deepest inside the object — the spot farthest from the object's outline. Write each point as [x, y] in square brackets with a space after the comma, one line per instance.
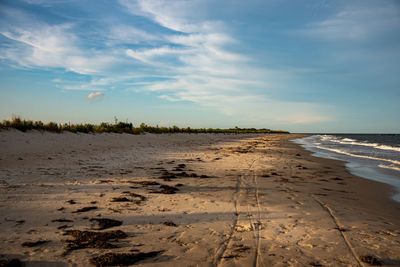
[118, 127]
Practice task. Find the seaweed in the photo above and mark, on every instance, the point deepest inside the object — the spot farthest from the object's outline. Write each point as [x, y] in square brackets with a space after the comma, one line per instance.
[170, 223]
[145, 183]
[85, 209]
[142, 198]
[122, 259]
[121, 199]
[166, 189]
[34, 244]
[62, 220]
[104, 223]
[63, 227]
[372, 260]
[88, 239]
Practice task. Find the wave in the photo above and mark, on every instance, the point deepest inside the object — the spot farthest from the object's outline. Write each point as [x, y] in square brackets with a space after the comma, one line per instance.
[358, 156]
[389, 167]
[349, 141]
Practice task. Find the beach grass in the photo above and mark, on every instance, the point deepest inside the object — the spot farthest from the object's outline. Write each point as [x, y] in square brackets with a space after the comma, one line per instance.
[120, 127]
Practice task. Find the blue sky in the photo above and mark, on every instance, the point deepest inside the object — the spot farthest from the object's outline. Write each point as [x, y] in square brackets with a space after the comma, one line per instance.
[302, 66]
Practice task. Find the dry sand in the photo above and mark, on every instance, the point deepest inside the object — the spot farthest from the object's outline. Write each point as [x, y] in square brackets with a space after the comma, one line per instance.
[262, 201]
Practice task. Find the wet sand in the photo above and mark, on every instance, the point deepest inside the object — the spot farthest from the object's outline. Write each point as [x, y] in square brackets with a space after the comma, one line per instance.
[187, 200]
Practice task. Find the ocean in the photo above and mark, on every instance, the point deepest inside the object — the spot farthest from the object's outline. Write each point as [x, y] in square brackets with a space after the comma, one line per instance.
[371, 156]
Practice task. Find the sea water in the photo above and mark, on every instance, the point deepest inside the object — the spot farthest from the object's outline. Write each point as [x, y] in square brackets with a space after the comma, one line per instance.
[372, 156]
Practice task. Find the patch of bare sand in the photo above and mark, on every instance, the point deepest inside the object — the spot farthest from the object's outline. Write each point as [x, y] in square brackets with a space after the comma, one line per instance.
[187, 200]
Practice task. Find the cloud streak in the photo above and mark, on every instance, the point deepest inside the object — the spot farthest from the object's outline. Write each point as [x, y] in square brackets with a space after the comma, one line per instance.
[97, 95]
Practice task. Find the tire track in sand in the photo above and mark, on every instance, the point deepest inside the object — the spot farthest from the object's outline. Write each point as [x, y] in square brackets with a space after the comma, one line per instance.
[224, 246]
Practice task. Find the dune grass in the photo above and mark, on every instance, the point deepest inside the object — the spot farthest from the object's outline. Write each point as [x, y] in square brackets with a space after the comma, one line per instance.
[118, 127]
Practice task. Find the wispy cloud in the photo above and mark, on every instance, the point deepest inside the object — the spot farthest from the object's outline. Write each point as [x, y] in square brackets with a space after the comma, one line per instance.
[357, 22]
[39, 44]
[97, 95]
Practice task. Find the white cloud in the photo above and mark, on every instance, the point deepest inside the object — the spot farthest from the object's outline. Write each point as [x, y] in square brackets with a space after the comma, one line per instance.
[38, 44]
[357, 22]
[205, 71]
[97, 95]
[128, 34]
[175, 15]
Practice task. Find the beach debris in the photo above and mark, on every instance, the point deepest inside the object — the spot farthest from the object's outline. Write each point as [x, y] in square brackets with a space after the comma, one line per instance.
[316, 263]
[204, 176]
[179, 185]
[10, 263]
[122, 259]
[85, 209]
[71, 201]
[166, 175]
[145, 183]
[142, 198]
[34, 244]
[170, 223]
[88, 239]
[62, 220]
[104, 181]
[166, 189]
[241, 248]
[104, 223]
[232, 256]
[372, 260]
[121, 199]
[60, 209]
[63, 227]
[337, 179]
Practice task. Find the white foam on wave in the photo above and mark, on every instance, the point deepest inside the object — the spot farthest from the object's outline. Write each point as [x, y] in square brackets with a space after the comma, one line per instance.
[389, 167]
[358, 156]
[348, 141]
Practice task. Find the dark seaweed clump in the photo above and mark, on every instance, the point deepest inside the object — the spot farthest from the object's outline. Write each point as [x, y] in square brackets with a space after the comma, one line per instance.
[85, 209]
[120, 199]
[88, 239]
[34, 244]
[166, 189]
[170, 223]
[122, 259]
[372, 260]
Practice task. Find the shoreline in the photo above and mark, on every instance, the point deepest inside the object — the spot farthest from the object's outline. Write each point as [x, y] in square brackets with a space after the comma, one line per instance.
[373, 173]
[211, 200]
[388, 191]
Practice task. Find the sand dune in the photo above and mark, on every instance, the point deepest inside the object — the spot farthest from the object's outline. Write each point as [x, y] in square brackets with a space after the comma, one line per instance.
[187, 200]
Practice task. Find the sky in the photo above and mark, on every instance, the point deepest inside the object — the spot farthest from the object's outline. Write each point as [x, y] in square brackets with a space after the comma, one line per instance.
[301, 66]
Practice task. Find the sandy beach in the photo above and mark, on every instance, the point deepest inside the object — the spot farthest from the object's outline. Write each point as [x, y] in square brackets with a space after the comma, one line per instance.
[187, 200]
